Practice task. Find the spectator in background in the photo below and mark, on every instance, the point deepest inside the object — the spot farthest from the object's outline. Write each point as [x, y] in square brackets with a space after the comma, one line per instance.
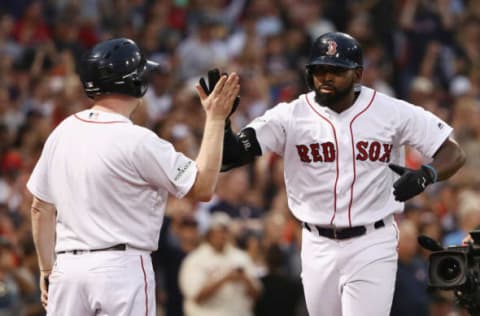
[233, 199]
[217, 279]
[158, 99]
[202, 50]
[442, 304]
[468, 218]
[10, 186]
[410, 46]
[251, 242]
[377, 70]
[178, 237]
[15, 281]
[410, 296]
[281, 295]
[465, 117]
[31, 29]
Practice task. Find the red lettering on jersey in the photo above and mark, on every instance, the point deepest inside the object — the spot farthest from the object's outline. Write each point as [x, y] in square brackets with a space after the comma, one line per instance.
[303, 153]
[387, 149]
[374, 151]
[315, 148]
[328, 152]
[362, 151]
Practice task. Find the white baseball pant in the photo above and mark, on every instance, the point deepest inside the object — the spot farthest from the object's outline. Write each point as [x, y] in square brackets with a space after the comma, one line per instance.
[103, 283]
[351, 277]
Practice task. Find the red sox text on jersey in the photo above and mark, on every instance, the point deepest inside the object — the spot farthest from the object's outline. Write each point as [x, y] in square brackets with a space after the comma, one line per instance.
[325, 152]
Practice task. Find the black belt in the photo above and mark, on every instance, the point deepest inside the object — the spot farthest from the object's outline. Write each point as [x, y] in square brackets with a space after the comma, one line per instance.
[342, 233]
[119, 247]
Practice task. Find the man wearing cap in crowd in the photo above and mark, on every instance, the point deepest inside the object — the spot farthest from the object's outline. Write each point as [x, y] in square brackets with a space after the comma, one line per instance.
[217, 278]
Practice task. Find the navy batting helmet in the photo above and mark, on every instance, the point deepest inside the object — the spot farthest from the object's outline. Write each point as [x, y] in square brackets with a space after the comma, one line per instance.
[334, 49]
[115, 66]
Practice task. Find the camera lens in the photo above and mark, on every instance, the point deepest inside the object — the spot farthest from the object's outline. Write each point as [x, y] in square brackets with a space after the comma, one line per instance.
[449, 268]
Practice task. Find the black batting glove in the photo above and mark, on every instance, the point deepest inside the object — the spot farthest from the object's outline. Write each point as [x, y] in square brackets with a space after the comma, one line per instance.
[213, 78]
[412, 182]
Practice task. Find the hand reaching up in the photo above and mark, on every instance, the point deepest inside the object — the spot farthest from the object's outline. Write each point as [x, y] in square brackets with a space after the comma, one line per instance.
[220, 98]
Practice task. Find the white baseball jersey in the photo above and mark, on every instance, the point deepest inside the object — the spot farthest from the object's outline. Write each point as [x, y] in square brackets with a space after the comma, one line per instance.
[336, 164]
[109, 180]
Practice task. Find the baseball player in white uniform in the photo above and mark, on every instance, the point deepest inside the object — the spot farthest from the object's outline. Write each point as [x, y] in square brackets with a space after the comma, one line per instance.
[101, 185]
[340, 143]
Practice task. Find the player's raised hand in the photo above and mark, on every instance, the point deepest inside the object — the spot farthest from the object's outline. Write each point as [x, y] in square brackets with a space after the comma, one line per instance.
[411, 182]
[218, 103]
[213, 77]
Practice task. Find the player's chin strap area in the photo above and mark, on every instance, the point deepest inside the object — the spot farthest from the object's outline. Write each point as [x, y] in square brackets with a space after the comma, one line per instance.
[240, 149]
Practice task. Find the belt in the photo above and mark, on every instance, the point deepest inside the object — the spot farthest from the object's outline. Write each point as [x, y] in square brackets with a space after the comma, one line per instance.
[119, 247]
[342, 233]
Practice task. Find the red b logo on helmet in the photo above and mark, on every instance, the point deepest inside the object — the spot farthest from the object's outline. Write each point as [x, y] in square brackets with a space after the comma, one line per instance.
[332, 47]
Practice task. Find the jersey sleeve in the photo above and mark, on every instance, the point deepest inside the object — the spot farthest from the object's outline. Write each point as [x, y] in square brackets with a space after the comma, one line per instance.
[162, 166]
[38, 183]
[421, 129]
[270, 129]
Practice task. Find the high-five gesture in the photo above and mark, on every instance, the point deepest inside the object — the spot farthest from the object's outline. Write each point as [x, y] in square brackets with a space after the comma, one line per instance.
[218, 102]
[213, 77]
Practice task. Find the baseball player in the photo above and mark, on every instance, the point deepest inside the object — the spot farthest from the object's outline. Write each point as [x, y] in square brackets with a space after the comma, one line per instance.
[101, 185]
[340, 143]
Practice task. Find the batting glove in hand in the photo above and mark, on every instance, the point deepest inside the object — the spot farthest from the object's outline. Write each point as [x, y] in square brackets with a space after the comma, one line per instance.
[412, 182]
[213, 78]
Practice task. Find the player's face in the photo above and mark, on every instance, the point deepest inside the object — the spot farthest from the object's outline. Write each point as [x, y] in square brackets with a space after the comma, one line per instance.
[334, 84]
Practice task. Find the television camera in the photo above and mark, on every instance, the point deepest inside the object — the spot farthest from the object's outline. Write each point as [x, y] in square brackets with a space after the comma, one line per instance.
[456, 268]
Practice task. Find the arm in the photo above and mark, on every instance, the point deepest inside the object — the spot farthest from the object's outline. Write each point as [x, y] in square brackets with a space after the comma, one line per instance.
[240, 149]
[217, 107]
[448, 159]
[253, 287]
[236, 275]
[211, 288]
[43, 231]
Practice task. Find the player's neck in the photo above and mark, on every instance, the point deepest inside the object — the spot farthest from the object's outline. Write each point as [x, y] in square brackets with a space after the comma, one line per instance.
[116, 104]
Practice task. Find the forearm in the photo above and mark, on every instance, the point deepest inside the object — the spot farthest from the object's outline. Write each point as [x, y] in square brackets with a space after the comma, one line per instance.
[210, 289]
[448, 159]
[240, 149]
[253, 287]
[209, 159]
[43, 231]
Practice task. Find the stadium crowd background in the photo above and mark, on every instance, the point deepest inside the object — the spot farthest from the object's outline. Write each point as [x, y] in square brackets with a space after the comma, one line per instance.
[424, 51]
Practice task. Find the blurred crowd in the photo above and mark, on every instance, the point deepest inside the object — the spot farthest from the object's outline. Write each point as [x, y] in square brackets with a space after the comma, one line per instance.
[245, 240]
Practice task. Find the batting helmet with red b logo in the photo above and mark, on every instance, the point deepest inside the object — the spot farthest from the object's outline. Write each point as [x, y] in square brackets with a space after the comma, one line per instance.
[334, 49]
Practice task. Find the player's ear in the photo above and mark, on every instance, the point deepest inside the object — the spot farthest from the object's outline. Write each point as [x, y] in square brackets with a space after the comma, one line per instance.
[358, 72]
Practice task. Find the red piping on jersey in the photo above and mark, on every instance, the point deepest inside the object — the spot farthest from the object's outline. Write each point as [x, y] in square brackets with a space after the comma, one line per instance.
[146, 285]
[96, 122]
[353, 155]
[336, 160]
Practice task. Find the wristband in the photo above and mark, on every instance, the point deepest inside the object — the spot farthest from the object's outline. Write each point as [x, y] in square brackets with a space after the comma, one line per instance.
[434, 172]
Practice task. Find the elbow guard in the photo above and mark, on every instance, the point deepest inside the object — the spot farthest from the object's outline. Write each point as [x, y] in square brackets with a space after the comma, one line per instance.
[240, 149]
